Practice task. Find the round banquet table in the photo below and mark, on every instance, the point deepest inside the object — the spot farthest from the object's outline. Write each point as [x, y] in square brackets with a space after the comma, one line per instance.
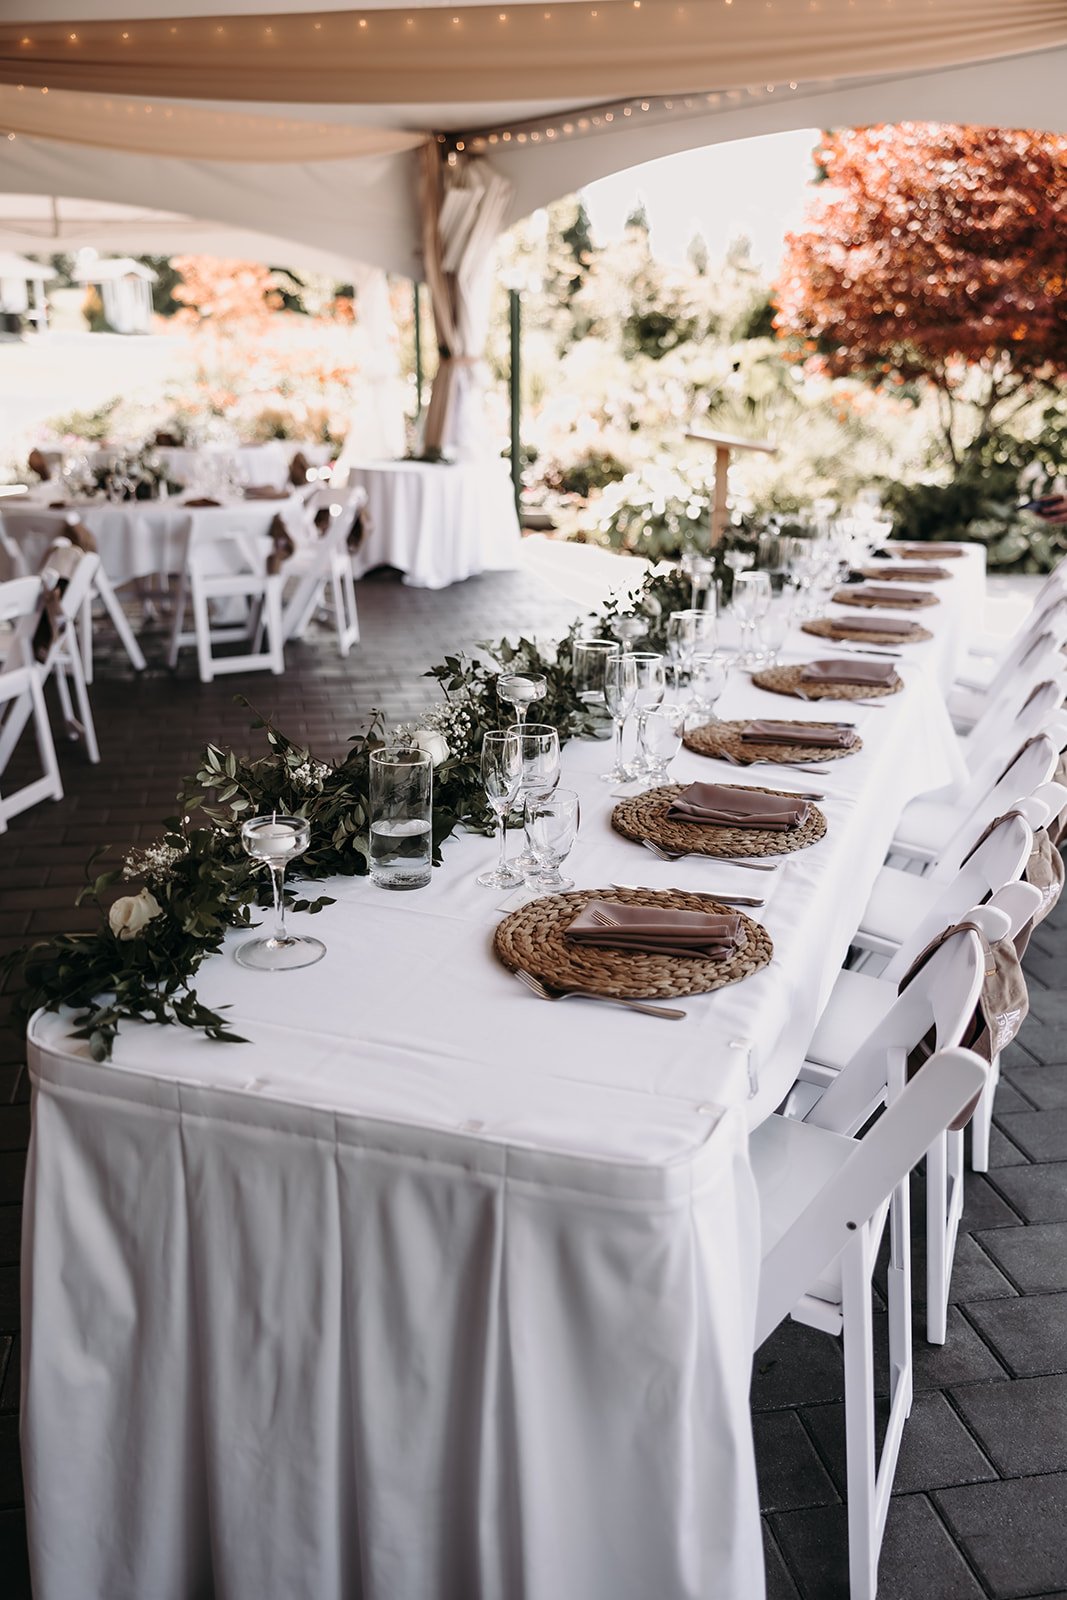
[437, 523]
[430, 1288]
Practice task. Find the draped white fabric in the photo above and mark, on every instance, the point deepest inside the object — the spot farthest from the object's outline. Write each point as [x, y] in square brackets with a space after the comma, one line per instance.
[430, 1289]
[376, 428]
[437, 524]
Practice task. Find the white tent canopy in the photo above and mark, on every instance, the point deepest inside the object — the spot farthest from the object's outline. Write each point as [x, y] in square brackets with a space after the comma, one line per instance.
[327, 159]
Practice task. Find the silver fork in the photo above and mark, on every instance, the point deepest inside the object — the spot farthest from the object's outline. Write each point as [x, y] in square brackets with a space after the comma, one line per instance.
[536, 987]
[765, 761]
[730, 861]
[813, 699]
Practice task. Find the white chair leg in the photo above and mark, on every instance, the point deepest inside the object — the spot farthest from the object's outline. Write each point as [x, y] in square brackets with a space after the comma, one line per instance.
[982, 1121]
[944, 1207]
[177, 621]
[102, 585]
[202, 622]
[85, 635]
[859, 1423]
[85, 710]
[66, 706]
[272, 611]
[46, 748]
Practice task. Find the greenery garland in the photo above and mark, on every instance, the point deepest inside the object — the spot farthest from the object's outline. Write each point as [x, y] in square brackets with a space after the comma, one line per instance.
[196, 882]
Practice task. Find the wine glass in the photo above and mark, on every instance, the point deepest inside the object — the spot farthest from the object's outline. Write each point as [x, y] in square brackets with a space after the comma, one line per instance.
[551, 828]
[663, 740]
[628, 630]
[751, 599]
[774, 628]
[620, 693]
[501, 773]
[520, 690]
[651, 687]
[539, 763]
[706, 684]
[277, 841]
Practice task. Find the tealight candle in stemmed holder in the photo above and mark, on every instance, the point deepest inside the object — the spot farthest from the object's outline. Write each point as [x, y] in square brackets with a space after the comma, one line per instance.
[521, 690]
[277, 841]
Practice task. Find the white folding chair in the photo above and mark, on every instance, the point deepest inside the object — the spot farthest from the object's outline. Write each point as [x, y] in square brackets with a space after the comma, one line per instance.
[225, 566]
[824, 1198]
[21, 601]
[327, 561]
[942, 831]
[1026, 708]
[53, 525]
[64, 653]
[972, 691]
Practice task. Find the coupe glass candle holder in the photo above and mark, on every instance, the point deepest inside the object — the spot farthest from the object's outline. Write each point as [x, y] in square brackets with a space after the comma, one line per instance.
[277, 841]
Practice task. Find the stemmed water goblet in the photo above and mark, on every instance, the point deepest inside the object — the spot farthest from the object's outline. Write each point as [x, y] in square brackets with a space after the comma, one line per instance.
[628, 630]
[663, 739]
[751, 599]
[551, 828]
[651, 687]
[538, 773]
[520, 690]
[620, 693]
[501, 773]
[706, 684]
[277, 841]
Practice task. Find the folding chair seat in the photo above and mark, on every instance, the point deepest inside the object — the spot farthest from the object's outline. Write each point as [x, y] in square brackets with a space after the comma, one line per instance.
[224, 566]
[824, 1198]
[71, 573]
[21, 603]
[326, 562]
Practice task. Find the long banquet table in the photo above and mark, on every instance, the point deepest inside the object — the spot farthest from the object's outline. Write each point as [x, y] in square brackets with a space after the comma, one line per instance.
[431, 1289]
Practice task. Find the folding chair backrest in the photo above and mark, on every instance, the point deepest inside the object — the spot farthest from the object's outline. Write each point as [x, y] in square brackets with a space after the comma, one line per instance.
[1028, 710]
[1049, 615]
[227, 552]
[1033, 764]
[882, 1159]
[21, 602]
[941, 996]
[1000, 859]
[12, 561]
[19, 597]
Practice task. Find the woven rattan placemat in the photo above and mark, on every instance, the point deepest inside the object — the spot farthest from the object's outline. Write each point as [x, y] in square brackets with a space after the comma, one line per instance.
[920, 552]
[838, 628]
[892, 575]
[784, 680]
[645, 817]
[533, 940]
[715, 737]
[856, 597]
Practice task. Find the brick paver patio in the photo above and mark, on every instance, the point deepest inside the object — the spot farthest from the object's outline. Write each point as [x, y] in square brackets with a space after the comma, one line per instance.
[981, 1501]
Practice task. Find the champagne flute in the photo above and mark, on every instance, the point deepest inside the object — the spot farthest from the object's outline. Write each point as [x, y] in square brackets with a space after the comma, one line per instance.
[551, 828]
[620, 692]
[651, 687]
[520, 690]
[501, 773]
[277, 841]
[539, 772]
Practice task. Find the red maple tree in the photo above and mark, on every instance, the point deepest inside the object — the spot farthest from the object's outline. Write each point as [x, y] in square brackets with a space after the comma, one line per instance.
[939, 253]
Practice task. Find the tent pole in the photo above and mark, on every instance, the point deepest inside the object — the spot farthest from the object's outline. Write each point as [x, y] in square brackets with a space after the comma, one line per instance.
[515, 388]
[418, 351]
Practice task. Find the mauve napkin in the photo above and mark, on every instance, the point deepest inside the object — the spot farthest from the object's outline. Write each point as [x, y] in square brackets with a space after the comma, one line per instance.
[899, 570]
[869, 674]
[658, 930]
[264, 491]
[902, 625]
[717, 805]
[925, 550]
[201, 500]
[798, 733]
[892, 594]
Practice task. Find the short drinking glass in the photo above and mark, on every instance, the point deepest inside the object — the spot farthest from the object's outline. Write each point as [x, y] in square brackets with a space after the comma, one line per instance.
[551, 828]
[401, 817]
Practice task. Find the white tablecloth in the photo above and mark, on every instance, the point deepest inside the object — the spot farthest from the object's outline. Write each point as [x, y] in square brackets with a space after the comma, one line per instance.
[143, 537]
[438, 524]
[430, 1289]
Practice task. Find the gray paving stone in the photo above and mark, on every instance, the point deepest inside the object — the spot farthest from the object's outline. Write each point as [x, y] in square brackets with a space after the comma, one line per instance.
[974, 1275]
[1034, 1258]
[14, 1561]
[983, 1207]
[963, 1358]
[10, 1465]
[1029, 1333]
[1041, 1135]
[1002, 1151]
[936, 1449]
[1045, 1087]
[10, 1232]
[1021, 1424]
[780, 1585]
[790, 1472]
[9, 1393]
[919, 1560]
[1038, 1192]
[796, 1366]
[1013, 1533]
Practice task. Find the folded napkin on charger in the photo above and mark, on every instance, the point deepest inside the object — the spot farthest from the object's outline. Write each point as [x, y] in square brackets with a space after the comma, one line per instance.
[902, 625]
[717, 805]
[658, 930]
[924, 571]
[923, 550]
[798, 733]
[201, 500]
[870, 674]
[264, 491]
[893, 595]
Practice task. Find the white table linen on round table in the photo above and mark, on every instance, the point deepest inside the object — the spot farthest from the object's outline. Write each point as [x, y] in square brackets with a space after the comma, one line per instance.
[143, 537]
[438, 524]
[430, 1288]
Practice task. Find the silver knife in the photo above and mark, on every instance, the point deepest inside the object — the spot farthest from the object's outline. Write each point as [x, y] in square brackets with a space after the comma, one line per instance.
[700, 894]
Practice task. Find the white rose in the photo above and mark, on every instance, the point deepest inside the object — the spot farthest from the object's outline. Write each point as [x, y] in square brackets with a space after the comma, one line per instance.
[132, 912]
[435, 745]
